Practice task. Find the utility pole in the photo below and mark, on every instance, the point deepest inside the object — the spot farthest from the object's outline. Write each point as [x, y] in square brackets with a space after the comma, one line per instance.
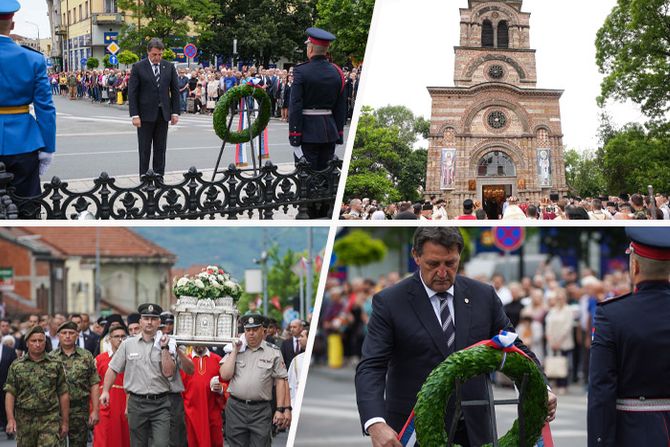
[309, 270]
[97, 292]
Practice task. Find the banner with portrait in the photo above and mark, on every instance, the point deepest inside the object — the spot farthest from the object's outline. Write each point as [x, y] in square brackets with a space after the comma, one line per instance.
[448, 168]
[544, 167]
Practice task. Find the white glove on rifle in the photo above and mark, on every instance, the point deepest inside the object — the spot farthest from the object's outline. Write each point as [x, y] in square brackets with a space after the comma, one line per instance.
[45, 161]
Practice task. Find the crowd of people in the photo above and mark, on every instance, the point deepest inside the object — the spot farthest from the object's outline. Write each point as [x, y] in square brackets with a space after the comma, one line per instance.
[623, 207]
[63, 377]
[199, 87]
[552, 313]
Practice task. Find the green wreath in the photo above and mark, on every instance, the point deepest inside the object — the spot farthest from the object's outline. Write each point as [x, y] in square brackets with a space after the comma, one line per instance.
[232, 97]
[464, 365]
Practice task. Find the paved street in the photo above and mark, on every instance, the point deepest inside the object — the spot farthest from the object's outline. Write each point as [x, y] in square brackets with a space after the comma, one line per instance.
[94, 137]
[329, 416]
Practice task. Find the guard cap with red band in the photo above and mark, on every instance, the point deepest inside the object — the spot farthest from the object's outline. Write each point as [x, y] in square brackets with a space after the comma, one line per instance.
[8, 8]
[317, 36]
[651, 243]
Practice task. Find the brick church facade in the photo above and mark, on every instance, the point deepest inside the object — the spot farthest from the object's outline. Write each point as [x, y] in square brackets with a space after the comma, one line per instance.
[494, 134]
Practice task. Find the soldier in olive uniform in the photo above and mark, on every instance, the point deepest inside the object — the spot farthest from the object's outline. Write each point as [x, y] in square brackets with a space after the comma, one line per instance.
[82, 380]
[252, 373]
[37, 399]
[147, 365]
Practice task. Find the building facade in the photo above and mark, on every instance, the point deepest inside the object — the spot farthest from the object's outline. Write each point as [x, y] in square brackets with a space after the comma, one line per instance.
[494, 133]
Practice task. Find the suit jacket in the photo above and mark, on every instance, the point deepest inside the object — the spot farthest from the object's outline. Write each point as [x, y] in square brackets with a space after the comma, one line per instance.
[8, 356]
[26, 83]
[91, 343]
[405, 342]
[288, 350]
[144, 96]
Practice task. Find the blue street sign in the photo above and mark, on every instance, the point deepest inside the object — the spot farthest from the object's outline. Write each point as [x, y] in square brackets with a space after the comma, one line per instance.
[50, 62]
[113, 59]
[509, 238]
[190, 50]
[83, 61]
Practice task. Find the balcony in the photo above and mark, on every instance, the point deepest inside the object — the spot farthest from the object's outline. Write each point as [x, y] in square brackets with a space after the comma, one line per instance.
[107, 18]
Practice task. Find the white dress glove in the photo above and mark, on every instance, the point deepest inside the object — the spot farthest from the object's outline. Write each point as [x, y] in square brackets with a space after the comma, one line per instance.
[45, 161]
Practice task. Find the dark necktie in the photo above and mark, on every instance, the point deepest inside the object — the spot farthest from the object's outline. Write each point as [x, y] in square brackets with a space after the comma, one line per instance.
[297, 347]
[447, 321]
[157, 74]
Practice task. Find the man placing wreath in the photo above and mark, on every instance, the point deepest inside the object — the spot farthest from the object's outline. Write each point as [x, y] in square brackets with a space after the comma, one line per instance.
[417, 324]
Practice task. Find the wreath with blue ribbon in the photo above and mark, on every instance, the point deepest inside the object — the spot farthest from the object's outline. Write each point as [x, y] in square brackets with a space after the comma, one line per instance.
[233, 97]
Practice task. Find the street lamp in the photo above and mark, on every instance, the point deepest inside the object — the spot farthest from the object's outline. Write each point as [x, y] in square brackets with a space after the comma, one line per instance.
[38, 32]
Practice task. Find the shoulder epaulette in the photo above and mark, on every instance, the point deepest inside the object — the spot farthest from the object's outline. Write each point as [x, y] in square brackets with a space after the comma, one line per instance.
[272, 345]
[32, 49]
[300, 64]
[613, 299]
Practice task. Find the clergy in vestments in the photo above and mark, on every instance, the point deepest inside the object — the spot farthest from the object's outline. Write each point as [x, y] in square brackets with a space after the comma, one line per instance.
[112, 430]
[204, 399]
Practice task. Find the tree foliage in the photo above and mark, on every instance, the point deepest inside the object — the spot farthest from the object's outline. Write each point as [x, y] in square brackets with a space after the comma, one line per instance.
[169, 55]
[584, 174]
[266, 30]
[359, 248]
[633, 51]
[350, 21]
[92, 63]
[384, 164]
[127, 57]
[172, 21]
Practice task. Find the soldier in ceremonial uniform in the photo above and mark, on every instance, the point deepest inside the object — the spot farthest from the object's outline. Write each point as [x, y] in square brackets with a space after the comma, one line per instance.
[629, 390]
[318, 103]
[82, 380]
[37, 399]
[148, 366]
[251, 373]
[27, 144]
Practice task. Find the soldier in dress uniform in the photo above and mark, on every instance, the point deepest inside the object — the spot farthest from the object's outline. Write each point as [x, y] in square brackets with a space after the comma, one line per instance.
[148, 366]
[252, 373]
[629, 390]
[82, 379]
[37, 399]
[318, 103]
[27, 144]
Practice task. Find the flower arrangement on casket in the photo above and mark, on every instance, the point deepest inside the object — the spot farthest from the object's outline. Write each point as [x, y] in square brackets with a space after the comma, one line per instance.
[212, 282]
[205, 311]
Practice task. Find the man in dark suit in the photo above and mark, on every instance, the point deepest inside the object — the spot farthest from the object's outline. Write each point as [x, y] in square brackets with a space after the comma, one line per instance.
[85, 341]
[291, 346]
[629, 368]
[153, 98]
[7, 356]
[414, 326]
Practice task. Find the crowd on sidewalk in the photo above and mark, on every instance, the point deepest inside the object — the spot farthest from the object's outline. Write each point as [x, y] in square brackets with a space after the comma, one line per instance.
[624, 207]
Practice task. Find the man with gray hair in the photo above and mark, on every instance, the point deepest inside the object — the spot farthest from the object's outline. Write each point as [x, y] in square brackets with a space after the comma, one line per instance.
[153, 99]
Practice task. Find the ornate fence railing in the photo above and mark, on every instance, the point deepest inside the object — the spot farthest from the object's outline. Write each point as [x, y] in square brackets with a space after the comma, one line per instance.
[235, 192]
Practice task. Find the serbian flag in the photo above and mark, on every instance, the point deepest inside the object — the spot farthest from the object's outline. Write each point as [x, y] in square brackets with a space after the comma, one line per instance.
[504, 341]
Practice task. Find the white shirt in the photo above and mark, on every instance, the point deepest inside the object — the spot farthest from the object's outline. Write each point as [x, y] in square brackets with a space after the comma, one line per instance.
[435, 302]
[294, 376]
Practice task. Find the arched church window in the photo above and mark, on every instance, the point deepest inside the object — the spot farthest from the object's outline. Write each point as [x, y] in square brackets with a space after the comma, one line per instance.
[496, 164]
[487, 34]
[503, 35]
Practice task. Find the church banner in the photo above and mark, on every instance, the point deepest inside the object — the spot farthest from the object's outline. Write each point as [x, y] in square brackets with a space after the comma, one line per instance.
[448, 168]
[544, 167]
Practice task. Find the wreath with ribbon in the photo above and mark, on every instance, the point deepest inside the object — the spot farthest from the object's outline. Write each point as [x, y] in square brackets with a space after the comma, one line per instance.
[497, 354]
[233, 97]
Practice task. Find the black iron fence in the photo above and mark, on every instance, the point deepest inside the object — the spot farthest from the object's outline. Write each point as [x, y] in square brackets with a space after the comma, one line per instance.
[234, 193]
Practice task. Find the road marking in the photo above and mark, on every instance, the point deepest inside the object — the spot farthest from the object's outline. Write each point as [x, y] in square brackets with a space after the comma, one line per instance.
[89, 134]
[333, 440]
[134, 151]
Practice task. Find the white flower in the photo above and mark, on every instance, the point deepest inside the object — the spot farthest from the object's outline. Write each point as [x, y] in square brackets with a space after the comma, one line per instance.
[212, 267]
[214, 283]
[199, 284]
[182, 281]
[203, 275]
[220, 278]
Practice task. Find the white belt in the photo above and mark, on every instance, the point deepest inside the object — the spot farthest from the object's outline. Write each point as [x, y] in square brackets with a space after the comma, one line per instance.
[317, 112]
[643, 405]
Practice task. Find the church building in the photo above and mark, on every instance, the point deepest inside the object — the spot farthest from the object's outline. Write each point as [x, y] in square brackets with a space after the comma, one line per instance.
[494, 134]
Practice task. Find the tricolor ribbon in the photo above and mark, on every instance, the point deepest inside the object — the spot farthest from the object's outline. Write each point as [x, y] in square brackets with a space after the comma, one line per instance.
[504, 341]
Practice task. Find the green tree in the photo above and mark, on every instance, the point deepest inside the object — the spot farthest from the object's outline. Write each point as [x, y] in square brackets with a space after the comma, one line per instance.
[584, 173]
[634, 158]
[265, 30]
[169, 20]
[383, 157]
[105, 61]
[92, 63]
[128, 57]
[633, 51]
[359, 248]
[169, 55]
[350, 21]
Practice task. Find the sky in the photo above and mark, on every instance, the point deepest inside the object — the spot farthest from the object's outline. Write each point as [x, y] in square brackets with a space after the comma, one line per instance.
[32, 11]
[411, 46]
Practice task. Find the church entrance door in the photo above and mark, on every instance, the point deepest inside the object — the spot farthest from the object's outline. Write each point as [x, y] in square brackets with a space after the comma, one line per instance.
[493, 197]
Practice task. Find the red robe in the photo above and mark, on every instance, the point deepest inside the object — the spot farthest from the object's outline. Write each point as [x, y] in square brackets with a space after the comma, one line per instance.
[112, 430]
[203, 407]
